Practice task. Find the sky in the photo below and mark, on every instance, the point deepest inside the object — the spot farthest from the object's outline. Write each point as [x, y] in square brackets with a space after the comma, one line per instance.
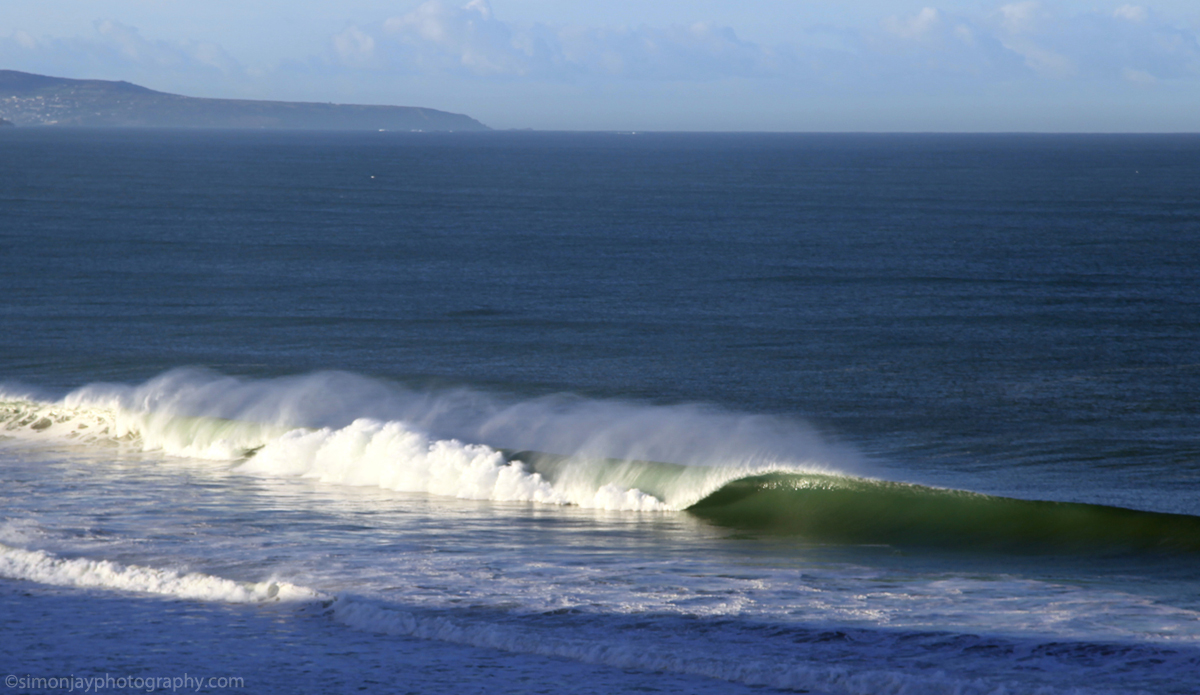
[751, 65]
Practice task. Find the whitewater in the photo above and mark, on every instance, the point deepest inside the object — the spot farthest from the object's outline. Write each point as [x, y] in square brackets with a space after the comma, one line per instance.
[275, 429]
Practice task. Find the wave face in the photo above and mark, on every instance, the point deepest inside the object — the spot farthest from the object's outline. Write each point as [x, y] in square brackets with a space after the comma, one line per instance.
[748, 473]
[856, 510]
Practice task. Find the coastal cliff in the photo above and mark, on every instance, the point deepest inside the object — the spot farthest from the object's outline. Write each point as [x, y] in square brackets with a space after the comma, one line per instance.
[38, 100]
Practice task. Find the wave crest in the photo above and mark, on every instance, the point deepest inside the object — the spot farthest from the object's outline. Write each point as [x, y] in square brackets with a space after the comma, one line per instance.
[344, 429]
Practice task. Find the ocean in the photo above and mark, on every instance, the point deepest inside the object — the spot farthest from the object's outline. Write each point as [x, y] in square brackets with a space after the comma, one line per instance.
[521, 412]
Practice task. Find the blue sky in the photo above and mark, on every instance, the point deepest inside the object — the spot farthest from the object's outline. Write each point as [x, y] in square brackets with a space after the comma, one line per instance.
[1026, 65]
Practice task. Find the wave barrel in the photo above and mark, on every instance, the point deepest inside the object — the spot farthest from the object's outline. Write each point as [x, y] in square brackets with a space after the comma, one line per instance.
[833, 509]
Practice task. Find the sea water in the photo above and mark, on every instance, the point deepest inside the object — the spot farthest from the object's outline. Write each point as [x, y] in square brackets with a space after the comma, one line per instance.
[542, 412]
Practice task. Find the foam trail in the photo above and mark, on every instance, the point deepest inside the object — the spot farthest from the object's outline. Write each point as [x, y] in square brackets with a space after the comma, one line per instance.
[795, 674]
[516, 636]
[45, 568]
[19, 416]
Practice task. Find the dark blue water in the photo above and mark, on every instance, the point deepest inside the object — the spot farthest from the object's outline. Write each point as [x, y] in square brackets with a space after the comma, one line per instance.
[948, 300]
[660, 318]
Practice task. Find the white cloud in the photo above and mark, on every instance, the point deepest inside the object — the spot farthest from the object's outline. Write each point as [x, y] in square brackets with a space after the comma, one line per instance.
[935, 50]
[25, 40]
[1016, 41]
[466, 57]
[915, 27]
[1132, 13]
[438, 35]
[697, 52]
[1044, 62]
[930, 49]
[116, 51]
[1106, 46]
[469, 40]
[1139, 76]
[354, 47]
[1022, 17]
[129, 43]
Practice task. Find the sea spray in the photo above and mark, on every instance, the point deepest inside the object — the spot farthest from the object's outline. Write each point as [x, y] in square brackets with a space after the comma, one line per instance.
[691, 434]
[346, 429]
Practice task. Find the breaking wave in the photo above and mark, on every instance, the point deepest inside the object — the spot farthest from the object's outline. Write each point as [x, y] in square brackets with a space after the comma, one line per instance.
[753, 473]
[344, 429]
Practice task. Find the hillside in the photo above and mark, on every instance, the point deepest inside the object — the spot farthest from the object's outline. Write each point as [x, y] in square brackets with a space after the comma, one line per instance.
[38, 100]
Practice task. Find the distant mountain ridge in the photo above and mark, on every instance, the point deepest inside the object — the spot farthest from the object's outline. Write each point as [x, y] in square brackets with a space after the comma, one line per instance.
[27, 99]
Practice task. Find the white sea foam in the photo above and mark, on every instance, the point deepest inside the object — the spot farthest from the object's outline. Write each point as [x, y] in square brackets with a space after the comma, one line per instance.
[344, 429]
[19, 531]
[23, 417]
[45, 568]
[665, 649]
[390, 455]
[653, 653]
